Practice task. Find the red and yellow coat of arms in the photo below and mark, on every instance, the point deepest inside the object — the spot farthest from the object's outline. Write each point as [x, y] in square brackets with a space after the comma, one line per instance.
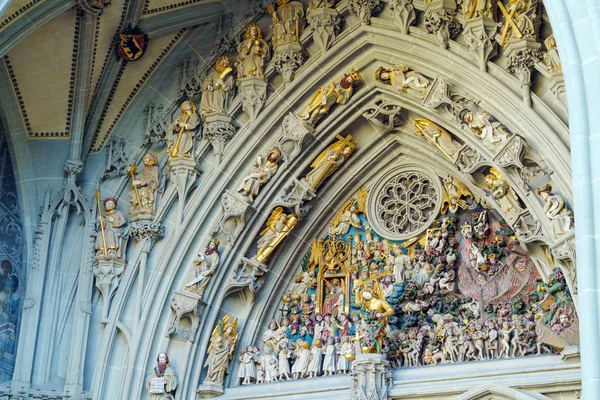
[131, 44]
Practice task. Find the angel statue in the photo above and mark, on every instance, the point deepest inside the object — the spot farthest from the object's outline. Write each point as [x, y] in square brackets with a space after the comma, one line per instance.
[252, 53]
[326, 97]
[217, 88]
[438, 137]
[347, 216]
[184, 128]
[147, 186]
[259, 175]
[162, 381]
[556, 210]
[503, 193]
[404, 80]
[374, 313]
[204, 266]
[278, 227]
[329, 161]
[484, 126]
[222, 343]
[454, 192]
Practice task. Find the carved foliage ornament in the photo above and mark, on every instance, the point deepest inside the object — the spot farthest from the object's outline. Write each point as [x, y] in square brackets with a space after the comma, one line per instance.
[403, 205]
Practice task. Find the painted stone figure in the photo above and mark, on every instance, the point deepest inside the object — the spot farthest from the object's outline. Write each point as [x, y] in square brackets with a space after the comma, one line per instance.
[288, 22]
[253, 52]
[260, 174]
[220, 351]
[162, 381]
[146, 187]
[326, 97]
[184, 128]
[111, 236]
[278, 227]
[455, 196]
[503, 193]
[217, 89]
[484, 126]
[438, 137]
[519, 20]
[556, 210]
[553, 65]
[374, 311]
[204, 266]
[403, 80]
[329, 161]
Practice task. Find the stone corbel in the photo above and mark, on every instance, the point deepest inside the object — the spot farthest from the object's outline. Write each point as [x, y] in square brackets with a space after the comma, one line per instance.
[287, 58]
[468, 159]
[479, 34]
[147, 231]
[440, 20]
[185, 305]
[253, 90]
[384, 116]
[403, 14]
[522, 55]
[295, 195]
[526, 226]
[364, 9]
[235, 211]
[183, 174]
[246, 273]
[218, 129]
[511, 153]
[325, 23]
[107, 270]
[371, 377]
[295, 133]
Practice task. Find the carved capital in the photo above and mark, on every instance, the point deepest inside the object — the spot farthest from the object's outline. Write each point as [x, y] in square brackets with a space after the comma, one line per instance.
[287, 59]
[218, 129]
[364, 9]
[73, 167]
[442, 24]
[147, 230]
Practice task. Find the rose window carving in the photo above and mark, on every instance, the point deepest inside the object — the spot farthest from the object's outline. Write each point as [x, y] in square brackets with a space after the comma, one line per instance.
[404, 205]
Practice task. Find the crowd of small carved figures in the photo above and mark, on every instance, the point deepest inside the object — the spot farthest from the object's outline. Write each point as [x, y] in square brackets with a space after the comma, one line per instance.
[464, 291]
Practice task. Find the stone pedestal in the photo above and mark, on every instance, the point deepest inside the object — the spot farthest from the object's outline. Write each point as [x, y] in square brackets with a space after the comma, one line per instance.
[107, 270]
[479, 35]
[183, 174]
[253, 90]
[235, 210]
[295, 133]
[287, 58]
[371, 377]
[210, 389]
[185, 305]
[218, 129]
[511, 153]
[246, 273]
[325, 23]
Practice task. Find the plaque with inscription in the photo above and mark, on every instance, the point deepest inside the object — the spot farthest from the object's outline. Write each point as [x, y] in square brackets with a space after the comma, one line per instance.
[157, 385]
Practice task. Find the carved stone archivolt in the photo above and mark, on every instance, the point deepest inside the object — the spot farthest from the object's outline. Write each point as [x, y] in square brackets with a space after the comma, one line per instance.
[404, 203]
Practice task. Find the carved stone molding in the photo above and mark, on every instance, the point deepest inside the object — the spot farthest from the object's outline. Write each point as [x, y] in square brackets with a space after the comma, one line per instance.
[384, 116]
[479, 34]
[183, 174]
[469, 159]
[218, 129]
[287, 58]
[246, 273]
[440, 21]
[253, 90]
[295, 133]
[364, 9]
[147, 230]
[526, 226]
[522, 55]
[403, 14]
[371, 377]
[107, 271]
[235, 211]
[295, 195]
[325, 23]
[511, 153]
[185, 305]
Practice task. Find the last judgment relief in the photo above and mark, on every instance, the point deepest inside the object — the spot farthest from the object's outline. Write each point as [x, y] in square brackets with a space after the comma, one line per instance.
[463, 290]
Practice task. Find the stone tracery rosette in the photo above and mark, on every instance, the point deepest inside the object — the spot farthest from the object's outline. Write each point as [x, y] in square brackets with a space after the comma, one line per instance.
[404, 203]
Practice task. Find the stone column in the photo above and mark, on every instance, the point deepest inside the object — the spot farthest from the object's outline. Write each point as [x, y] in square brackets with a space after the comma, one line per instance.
[371, 377]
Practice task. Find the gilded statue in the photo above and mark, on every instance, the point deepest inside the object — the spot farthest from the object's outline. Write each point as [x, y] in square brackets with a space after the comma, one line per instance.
[484, 126]
[204, 266]
[112, 237]
[278, 227]
[146, 186]
[553, 65]
[288, 21]
[184, 129]
[437, 136]
[222, 343]
[519, 19]
[556, 210]
[347, 216]
[263, 170]
[162, 382]
[252, 53]
[329, 161]
[403, 80]
[503, 193]
[326, 97]
[217, 89]
[455, 195]
[374, 312]
[477, 8]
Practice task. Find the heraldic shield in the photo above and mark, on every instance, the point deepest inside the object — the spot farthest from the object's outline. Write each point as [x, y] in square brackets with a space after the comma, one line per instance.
[131, 44]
